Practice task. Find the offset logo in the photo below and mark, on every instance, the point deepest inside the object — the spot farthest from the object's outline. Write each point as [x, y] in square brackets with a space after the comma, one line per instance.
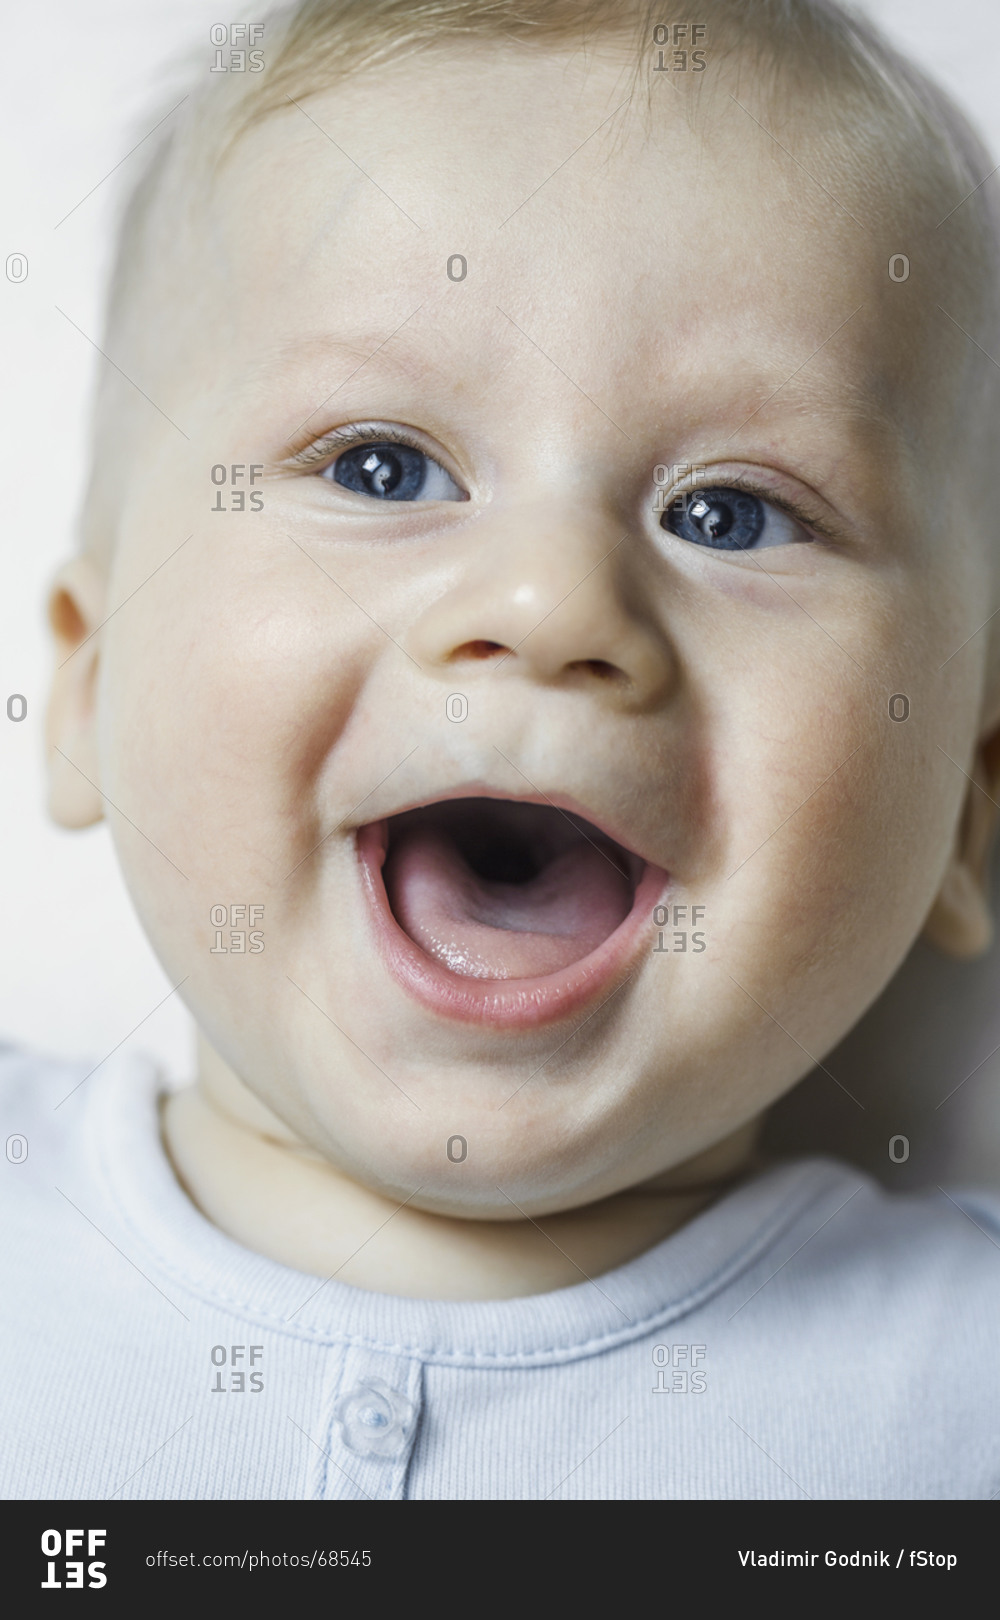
[59, 1547]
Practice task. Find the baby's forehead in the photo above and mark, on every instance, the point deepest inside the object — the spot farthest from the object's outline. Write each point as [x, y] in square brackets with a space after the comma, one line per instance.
[540, 227]
[674, 255]
[547, 153]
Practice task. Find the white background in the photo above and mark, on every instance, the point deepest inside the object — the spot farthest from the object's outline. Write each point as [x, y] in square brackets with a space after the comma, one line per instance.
[76, 974]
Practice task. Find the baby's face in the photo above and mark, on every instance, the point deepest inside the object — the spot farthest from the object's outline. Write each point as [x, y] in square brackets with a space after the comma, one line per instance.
[576, 812]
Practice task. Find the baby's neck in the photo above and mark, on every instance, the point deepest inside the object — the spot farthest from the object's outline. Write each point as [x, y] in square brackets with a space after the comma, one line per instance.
[281, 1199]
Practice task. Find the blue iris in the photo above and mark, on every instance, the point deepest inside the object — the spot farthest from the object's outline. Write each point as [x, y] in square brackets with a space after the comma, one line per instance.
[727, 519]
[389, 472]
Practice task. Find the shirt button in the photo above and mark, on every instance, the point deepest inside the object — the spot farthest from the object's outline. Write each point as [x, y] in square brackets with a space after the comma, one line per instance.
[375, 1419]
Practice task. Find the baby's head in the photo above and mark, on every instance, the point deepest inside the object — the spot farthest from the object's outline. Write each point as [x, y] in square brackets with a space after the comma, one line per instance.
[541, 552]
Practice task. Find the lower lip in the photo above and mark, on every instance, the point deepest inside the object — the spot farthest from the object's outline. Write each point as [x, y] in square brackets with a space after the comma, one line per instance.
[504, 1003]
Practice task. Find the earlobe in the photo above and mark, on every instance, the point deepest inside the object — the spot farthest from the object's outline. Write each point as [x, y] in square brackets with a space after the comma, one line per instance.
[76, 609]
[960, 922]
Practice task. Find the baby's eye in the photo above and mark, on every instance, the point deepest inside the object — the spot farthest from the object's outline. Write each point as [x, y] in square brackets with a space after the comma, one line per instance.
[730, 519]
[393, 472]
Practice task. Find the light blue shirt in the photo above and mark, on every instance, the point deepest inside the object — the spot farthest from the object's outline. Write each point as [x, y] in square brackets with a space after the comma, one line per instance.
[809, 1335]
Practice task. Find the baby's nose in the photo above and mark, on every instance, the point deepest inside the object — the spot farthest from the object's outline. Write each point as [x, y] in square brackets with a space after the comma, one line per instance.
[558, 606]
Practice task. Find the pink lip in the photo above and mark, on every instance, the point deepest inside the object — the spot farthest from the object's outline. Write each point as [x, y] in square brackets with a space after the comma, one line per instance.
[503, 1003]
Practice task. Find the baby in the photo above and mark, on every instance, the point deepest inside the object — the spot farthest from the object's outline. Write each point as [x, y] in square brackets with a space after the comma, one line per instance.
[533, 642]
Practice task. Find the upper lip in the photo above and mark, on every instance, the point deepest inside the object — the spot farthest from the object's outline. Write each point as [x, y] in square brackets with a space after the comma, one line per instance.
[378, 808]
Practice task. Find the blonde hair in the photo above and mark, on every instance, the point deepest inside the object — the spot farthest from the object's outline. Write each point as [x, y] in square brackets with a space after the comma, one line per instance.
[812, 64]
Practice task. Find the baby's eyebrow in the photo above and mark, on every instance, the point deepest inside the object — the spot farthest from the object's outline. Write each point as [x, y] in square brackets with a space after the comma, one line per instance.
[380, 350]
[388, 353]
[857, 410]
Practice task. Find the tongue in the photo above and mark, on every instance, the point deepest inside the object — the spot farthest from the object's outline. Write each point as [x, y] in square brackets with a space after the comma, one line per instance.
[486, 929]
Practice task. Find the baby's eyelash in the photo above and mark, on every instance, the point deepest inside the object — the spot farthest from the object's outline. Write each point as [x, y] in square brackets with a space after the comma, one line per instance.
[324, 449]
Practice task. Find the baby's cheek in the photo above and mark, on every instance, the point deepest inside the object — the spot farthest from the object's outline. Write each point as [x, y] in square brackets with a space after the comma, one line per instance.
[221, 701]
[839, 850]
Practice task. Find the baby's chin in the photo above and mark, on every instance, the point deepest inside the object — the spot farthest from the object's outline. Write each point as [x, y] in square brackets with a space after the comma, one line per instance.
[506, 1176]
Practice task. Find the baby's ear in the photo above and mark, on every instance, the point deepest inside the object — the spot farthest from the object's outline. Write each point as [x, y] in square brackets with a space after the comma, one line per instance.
[77, 605]
[960, 922]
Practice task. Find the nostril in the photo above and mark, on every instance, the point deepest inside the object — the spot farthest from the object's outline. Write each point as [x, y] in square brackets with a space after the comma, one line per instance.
[601, 668]
[479, 649]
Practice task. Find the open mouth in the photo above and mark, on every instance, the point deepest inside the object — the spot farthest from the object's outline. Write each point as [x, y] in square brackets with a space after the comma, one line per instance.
[502, 909]
[495, 889]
